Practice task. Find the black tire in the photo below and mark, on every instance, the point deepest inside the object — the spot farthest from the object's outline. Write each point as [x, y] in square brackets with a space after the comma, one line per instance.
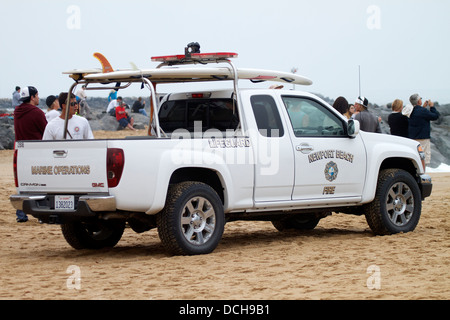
[397, 205]
[192, 221]
[296, 223]
[95, 235]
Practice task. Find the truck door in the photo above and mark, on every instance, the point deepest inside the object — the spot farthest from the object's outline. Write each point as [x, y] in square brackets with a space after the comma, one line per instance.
[273, 154]
[328, 163]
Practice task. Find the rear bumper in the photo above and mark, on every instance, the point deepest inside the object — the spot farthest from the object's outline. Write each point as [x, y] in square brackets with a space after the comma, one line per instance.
[426, 186]
[42, 207]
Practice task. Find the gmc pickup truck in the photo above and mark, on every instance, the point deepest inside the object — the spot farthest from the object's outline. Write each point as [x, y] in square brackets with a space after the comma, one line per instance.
[214, 156]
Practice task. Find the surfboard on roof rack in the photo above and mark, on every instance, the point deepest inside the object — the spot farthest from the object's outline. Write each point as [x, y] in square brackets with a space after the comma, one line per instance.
[170, 75]
[167, 73]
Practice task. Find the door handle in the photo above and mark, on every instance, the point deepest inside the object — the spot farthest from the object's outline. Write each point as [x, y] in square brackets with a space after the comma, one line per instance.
[60, 153]
[304, 148]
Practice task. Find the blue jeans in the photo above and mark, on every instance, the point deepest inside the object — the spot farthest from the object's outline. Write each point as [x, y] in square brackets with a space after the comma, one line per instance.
[21, 215]
[143, 112]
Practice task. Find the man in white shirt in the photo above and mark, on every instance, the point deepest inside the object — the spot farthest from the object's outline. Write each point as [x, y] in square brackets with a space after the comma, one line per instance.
[53, 106]
[112, 106]
[77, 128]
[81, 93]
[84, 109]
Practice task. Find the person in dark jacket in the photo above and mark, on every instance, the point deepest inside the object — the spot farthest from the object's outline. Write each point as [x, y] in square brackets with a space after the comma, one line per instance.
[139, 107]
[29, 124]
[419, 123]
[397, 121]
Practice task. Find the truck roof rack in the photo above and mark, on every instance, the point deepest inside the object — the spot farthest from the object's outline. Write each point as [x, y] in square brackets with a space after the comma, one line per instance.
[173, 73]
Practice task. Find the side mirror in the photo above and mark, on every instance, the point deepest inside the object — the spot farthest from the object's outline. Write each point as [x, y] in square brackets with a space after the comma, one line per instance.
[352, 128]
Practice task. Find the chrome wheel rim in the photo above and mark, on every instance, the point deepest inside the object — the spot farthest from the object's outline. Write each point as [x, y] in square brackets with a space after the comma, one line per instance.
[400, 204]
[198, 220]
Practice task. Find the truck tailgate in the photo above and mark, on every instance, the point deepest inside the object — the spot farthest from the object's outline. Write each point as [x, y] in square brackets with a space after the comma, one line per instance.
[62, 166]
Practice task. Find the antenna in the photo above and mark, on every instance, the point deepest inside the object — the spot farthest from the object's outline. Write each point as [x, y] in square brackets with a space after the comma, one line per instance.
[359, 79]
[294, 70]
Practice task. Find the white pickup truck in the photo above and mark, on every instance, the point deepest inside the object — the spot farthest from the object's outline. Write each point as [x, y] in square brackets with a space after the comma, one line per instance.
[213, 156]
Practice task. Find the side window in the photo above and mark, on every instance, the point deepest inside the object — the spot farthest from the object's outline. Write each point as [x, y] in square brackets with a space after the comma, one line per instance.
[310, 118]
[267, 116]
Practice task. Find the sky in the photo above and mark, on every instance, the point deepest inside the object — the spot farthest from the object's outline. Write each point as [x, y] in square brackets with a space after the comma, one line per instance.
[401, 47]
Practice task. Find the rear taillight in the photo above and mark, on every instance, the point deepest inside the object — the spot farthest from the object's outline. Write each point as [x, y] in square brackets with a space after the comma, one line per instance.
[114, 166]
[16, 181]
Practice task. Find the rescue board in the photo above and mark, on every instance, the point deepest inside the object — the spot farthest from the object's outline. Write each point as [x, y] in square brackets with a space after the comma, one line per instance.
[184, 74]
[198, 74]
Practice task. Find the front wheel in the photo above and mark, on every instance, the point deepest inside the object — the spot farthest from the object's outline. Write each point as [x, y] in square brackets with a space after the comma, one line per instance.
[192, 221]
[397, 205]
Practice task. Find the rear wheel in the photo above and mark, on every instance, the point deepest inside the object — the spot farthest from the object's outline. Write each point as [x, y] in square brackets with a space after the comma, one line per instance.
[192, 221]
[93, 235]
[397, 205]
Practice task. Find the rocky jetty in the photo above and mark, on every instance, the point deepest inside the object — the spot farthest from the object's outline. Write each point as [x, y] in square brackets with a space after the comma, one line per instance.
[6, 132]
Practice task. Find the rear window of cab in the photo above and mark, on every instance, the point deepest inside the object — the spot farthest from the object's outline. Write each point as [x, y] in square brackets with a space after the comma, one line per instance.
[220, 114]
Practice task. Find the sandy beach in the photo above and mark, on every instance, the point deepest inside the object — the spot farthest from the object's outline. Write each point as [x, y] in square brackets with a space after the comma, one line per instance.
[340, 259]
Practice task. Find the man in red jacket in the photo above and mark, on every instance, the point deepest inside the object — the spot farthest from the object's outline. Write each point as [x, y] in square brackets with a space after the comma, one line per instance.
[29, 124]
[29, 120]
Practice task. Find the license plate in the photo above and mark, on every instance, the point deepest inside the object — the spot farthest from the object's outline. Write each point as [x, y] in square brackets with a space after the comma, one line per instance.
[64, 203]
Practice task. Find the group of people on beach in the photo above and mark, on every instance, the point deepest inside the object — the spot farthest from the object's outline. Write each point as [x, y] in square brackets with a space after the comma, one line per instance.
[411, 121]
[31, 123]
[117, 108]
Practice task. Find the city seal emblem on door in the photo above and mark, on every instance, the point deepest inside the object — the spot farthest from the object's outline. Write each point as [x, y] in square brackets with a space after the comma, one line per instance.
[331, 171]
